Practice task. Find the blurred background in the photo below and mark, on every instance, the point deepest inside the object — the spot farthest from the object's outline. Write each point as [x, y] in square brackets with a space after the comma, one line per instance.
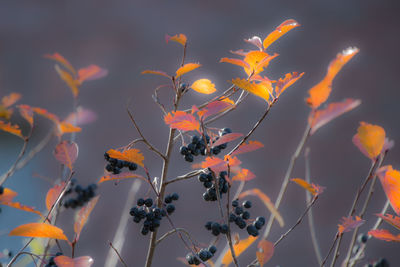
[127, 37]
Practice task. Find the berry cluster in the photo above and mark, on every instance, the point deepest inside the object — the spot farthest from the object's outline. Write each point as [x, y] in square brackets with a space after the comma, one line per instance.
[198, 146]
[240, 216]
[203, 254]
[217, 228]
[83, 195]
[379, 263]
[51, 262]
[115, 165]
[151, 214]
[211, 192]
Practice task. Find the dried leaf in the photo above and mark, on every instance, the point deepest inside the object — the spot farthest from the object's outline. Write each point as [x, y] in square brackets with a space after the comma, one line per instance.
[69, 80]
[390, 219]
[182, 121]
[17, 205]
[239, 249]
[280, 31]
[64, 261]
[227, 138]
[27, 113]
[81, 116]
[179, 38]
[7, 195]
[156, 72]
[320, 92]
[256, 41]
[258, 89]
[10, 99]
[83, 216]
[312, 188]
[265, 252]
[203, 86]
[384, 235]
[44, 230]
[369, 139]
[321, 117]
[348, 224]
[283, 83]
[90, 73]
[214, 108]
[244, 175]
[390, 180]
[267, 202]
[186, 68]
[132, 155]
[53, 194]
[124, 175]
[235, 61]
[12, 129]
[66, 152]
[247, 147]
[60, 59]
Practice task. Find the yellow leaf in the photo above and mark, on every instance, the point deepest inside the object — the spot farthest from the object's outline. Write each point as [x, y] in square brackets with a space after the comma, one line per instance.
[186, 68]
[204, 86]
[12, 129]
[305, 185]
[260, 90]
[132, 155]
[257, 60]
[369, 139]
[44, 230]
[239, 249]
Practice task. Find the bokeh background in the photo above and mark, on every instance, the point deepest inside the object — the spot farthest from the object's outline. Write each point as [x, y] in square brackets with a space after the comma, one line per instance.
[127, 37]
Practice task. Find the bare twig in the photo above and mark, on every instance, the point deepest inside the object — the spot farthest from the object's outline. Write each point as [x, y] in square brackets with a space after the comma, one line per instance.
[119, 255]
[330, 250]
[185, 176]
[167, 234]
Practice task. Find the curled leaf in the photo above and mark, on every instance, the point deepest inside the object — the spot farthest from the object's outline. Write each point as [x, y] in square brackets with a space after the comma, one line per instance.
[281, 30]
[390, 219]
[312, 188]
[179, 38]
[91, 72]
[186, 68]
[369, 139]
[121, 176]
[182, 121]
[60, 59]
[46, 114]
[27, 113]
[283, 83]
[66, 152]
[256, 41]
[69, 80]
[235, 61]
[66, 127]
[44, 230]
[203, 86]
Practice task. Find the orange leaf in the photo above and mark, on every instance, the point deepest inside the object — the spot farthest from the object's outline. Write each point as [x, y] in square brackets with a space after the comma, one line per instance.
[12, 129]
[248, 147]
[124, 175]
[179, 38]
[17, 205]
[266, 250]
[283, 83]
[46, 114]
[53, 194]
[7, 195]
[27, 113]
[214, 108]
[320, 92]
[64, 261]
[227, 138]
[235, 61]
[10, 99]
[217, 164]
[312, 188]
[279, 31]
[239, 249]
[203, 86]
[257, 61]
[385, 235]
[132, 155]
[156, 72]
[66, 152]
[348, 224]
[83, 216]
[5, 113]
[369, 139]
[69, 80]
[267, 202]
[44, 230]
[390, 219]
[186, 68]
[182, 121]
[390, 180]
[258, 89]
[66, 127]
[321, 117]
[244, 175]
[91, 72]
[60, 59]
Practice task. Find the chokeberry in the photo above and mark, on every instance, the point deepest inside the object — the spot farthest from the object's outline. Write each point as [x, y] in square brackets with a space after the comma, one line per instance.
[148, 202]
[195, 139]
[235, 203]
[252, 230]
[232, 217]
[208, 225]
[238, 210]
[168, 199]
[224, 229]
[184, 150]
[247, 204]
[202, 177]
[212, 249]
[189, 157]
[170, 208]
[175, 196]
[203, 255]
[245, 215]
[362, 238]
[140, 202]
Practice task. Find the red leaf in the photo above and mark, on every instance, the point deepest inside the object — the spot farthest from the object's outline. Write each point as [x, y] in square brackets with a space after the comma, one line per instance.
[248, 147]
[332, 111]
[348, 224]
[27, 113]
[64, 261]
[384, 235]
[214, 108]
[265, 252]
[66, 152]
[227, 138]
[60, 59]
[390, 180]
[53, 194]
[182, 121]
[81, 116]
[244, 175]
[288, 80]
[124, 175]
[390, 219]
[91, 72]
[83, 216]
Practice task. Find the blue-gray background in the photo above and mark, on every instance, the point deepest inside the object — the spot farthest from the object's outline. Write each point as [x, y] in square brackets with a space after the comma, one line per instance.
[128, 36]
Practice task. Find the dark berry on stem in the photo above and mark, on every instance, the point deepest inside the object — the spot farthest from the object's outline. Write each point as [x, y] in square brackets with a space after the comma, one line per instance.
[203, 255]
[207, 184]
[145, 231]
[170, 208]
[132, 166]
[106, 156]
[134, 211]
[238, 210]
[362, 238]
[245, 215]
[148, 202]
[235, 203]
[184, 150]
[232, 217]
[247, 204]
[208, 225]
[189, 157]
[258, 224]
[116, 170]
[240, 222]
[136, 219]
[226, 131]
[190, 258]
[261, 219]
[195, 139]
[202, 177]
[168, 199]
[140, 202]
[109, 168]
[175, 196]
[252, 230]
[224, 229]
[212, 249]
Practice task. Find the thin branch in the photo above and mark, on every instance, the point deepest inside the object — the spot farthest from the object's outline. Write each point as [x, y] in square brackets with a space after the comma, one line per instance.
[330, 250]
[150, 146]
[185, 176]
[167, 234]
[119, 255]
